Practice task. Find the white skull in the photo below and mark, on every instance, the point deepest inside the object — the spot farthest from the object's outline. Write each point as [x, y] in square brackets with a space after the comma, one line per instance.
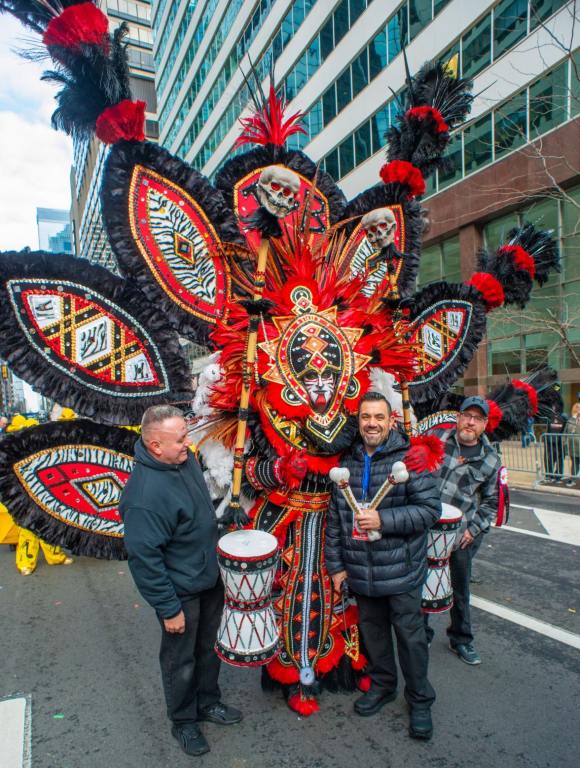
[381, 226]
[278, 189]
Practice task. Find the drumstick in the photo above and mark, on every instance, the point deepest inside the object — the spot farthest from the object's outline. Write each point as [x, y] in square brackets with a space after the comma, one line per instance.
[398, 475]
[341, 476]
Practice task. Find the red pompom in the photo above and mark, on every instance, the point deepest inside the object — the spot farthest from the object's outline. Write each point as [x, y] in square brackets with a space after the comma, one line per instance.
[125, 120]
[78, 25]
[425, 454]
[522, 259]
[494, 416]
[530, 392]
[292, 468]
[428, 113]
[402, 172]
[304, 706]
[364, 683]
[490, 288]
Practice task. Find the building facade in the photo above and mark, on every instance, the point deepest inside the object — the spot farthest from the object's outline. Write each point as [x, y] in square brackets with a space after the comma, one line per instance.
[341, 62]
[89, 156]
[54, 230]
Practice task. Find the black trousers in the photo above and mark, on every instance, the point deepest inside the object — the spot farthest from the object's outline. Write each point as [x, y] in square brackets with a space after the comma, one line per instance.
[378, 617]
[189, 663]
[459, 630]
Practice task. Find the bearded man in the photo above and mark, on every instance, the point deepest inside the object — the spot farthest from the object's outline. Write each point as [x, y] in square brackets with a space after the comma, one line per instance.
[467, 479]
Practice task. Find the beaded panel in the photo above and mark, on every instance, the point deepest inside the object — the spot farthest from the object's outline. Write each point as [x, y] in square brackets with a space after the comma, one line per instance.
[78, 485]
[88, 338]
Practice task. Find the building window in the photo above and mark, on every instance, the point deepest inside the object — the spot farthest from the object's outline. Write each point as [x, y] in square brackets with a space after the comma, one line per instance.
[326, 40]
[362, 143]
[454, 155]
[510, 20]
[329, 104]
[510, 124]
[397, 32]
[549, 101]
[346, 154]
[419, 16]
[476, 47]
[360, 73]
[378, 53]
[331, 164]
[477, 144]
[540, 10]
[439, 5]
[356, 8]
[343, 91]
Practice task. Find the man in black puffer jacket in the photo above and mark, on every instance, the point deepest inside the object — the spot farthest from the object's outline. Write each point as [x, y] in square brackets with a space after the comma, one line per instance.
[386, 575]
[171, 535]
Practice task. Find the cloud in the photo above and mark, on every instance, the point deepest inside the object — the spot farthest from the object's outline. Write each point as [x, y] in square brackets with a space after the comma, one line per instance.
[35, 160]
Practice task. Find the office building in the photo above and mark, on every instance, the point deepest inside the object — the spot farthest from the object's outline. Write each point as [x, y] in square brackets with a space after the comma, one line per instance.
[342, 63]
[54, 230]
[89, 156]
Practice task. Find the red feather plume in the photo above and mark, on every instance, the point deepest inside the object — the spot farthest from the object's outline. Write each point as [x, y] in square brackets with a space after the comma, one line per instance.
[429, 114]
[126, 120]
[425, 454]
[78, 25]
[267, 125]
[522, 259]
[490, 288]
[403, 172]
[494, 416]
[530, 392]
[303, 705]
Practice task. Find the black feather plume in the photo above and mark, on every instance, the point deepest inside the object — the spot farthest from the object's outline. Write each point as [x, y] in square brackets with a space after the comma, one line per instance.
[91, 81]
[421, 141]
[36, 15]
[541, 246]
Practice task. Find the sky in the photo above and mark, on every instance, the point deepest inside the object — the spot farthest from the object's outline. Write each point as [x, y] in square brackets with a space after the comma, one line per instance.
[35, 160]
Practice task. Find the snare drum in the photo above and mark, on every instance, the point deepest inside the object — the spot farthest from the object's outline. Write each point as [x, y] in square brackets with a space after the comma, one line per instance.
[437, 591]
[248, 635]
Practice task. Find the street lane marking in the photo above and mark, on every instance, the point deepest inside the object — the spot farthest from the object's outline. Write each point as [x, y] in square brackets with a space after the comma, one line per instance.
[560, 526]
[542, 627]
[15, 733]
[525, 530]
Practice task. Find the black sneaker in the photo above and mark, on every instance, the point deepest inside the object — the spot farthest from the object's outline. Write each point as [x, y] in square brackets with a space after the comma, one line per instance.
[372, 701]
[191, 739]
[221, 714]
[420, 724]
[466, 653]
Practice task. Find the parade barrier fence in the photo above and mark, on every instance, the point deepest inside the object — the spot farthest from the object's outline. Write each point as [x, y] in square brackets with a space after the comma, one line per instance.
[554, 458]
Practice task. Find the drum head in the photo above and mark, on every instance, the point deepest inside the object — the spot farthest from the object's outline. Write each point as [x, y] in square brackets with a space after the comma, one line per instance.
[450, 513]
[248, 544]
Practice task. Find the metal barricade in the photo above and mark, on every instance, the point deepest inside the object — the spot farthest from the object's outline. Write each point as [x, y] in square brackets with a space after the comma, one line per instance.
[560, 457]
[524, 463]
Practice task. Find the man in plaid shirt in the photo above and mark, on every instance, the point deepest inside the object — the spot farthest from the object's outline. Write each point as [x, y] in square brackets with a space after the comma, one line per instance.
[467, 479]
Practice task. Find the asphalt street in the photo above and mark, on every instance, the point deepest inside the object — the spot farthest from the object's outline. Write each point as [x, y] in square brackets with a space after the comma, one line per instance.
[81, 645]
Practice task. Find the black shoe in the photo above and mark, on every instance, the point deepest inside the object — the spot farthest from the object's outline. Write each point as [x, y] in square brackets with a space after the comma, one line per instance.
[370, 702]
[466, 653]
[191, 739]
[420, 724]
[221, 714]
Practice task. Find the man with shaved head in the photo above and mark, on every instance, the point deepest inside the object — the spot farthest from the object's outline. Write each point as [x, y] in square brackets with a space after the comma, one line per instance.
[171, 536]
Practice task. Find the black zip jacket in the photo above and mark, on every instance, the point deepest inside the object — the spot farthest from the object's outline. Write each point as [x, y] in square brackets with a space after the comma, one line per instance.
[170, 531]
[397, 562]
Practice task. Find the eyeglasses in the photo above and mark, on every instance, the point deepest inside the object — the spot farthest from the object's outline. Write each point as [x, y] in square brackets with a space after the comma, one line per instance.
[473, 417]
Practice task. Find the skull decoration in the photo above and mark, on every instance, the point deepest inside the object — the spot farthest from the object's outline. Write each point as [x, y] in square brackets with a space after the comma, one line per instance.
[278, 189]
[380, 225]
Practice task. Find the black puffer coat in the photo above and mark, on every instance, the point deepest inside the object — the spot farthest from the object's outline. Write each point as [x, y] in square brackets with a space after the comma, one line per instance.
[396, 563]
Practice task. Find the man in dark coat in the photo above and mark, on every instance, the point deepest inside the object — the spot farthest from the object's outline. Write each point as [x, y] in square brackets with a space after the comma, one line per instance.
[387, 574]
[170, 536]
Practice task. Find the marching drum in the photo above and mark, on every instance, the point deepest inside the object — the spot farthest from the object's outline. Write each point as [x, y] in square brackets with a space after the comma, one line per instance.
[437, 591]
[248, 635]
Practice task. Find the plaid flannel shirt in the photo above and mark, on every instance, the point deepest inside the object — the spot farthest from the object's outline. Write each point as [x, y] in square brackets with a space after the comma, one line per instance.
[469, 484]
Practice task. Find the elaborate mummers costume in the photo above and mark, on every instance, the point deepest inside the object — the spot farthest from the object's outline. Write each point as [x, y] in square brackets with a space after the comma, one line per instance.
[307, 299]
